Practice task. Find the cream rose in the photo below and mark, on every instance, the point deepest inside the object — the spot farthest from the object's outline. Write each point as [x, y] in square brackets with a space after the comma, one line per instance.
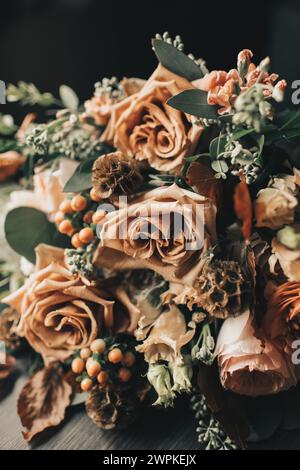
[59, 313]
[145, 127]
[275, 206]
[248, 365]
[47, 191]
[289, 259]
[167, 230]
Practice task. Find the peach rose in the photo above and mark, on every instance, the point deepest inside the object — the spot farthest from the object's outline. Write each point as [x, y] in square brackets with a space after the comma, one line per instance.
[10, 163]
[166, 230]
[47, 191]
[145, 127]
[59, 313]
[165, 340]
[99, 107]
[248, 365]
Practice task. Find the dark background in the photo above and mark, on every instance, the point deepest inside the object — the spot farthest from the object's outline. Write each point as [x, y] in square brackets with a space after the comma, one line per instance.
[79, 41]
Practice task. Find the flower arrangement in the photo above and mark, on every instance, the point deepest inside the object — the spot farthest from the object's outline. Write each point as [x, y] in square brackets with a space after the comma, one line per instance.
[155, 244]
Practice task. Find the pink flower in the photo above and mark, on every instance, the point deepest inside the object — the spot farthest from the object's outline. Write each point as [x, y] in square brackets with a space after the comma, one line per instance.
[248, 365]
[223, 87]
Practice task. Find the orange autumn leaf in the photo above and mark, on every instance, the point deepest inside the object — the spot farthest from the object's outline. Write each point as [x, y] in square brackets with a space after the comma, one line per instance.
[201, 176]
[243, 207]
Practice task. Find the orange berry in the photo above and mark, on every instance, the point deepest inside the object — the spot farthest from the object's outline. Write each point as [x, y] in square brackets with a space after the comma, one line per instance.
[94, 195]
[85, 353]
[78, 365]
[65, 207]
[88, 217]
[78, 203]
[102, 377]
[86, 235]
[124, 375]
[115, 356]
[93, 368]
[76, 242]
[98, 345]
[59, 217]
[98, 216]
[128, 359]
[66, 227]
[86, 384]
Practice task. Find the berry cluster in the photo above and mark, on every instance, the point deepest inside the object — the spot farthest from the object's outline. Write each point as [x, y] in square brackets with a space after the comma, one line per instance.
[104, 362]
[78, 217]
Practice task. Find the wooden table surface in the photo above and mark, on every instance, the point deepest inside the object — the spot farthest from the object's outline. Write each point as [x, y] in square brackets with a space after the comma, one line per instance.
[156, 430]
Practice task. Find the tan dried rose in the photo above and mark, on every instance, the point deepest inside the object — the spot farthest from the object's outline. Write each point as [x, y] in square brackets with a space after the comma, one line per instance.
[250, 365]
[275, 206]
[99, 107]
[289, 259]
[10, 163]
[166, 338]
[167, 230]
[145, 127]
[59, 314]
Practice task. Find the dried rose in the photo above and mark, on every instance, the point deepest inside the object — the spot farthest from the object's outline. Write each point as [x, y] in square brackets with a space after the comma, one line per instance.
[59, 313]
[167, 230]
[145, 127]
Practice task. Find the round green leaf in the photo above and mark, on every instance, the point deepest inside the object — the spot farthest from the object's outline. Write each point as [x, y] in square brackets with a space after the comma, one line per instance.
[25, 228]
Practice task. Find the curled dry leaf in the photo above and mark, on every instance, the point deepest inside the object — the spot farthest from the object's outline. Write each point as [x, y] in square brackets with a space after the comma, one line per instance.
[201, 176]
[243, 207]
[43, 401]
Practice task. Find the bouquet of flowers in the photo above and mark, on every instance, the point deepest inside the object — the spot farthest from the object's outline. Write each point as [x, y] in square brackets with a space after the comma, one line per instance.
[151, 248]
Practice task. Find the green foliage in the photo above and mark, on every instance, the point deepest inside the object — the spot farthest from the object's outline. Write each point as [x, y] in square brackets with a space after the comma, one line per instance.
[25, 228]
[176, 61]
[194, 102]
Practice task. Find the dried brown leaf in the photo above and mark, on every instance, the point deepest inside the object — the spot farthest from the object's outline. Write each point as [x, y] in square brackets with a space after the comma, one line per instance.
[202, 177]
[243, 207]
[43, 401]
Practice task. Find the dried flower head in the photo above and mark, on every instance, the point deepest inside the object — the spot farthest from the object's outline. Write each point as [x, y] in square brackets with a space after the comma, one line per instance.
[222, 289]
[115, 174]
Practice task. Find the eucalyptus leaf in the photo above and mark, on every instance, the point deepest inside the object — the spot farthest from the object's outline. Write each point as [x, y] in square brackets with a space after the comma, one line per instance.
[176, 61]
[217, 146]
[25, 228]
[81, 179]
[194, 102]
[68, 97]
[219, 166]
[238, 134]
